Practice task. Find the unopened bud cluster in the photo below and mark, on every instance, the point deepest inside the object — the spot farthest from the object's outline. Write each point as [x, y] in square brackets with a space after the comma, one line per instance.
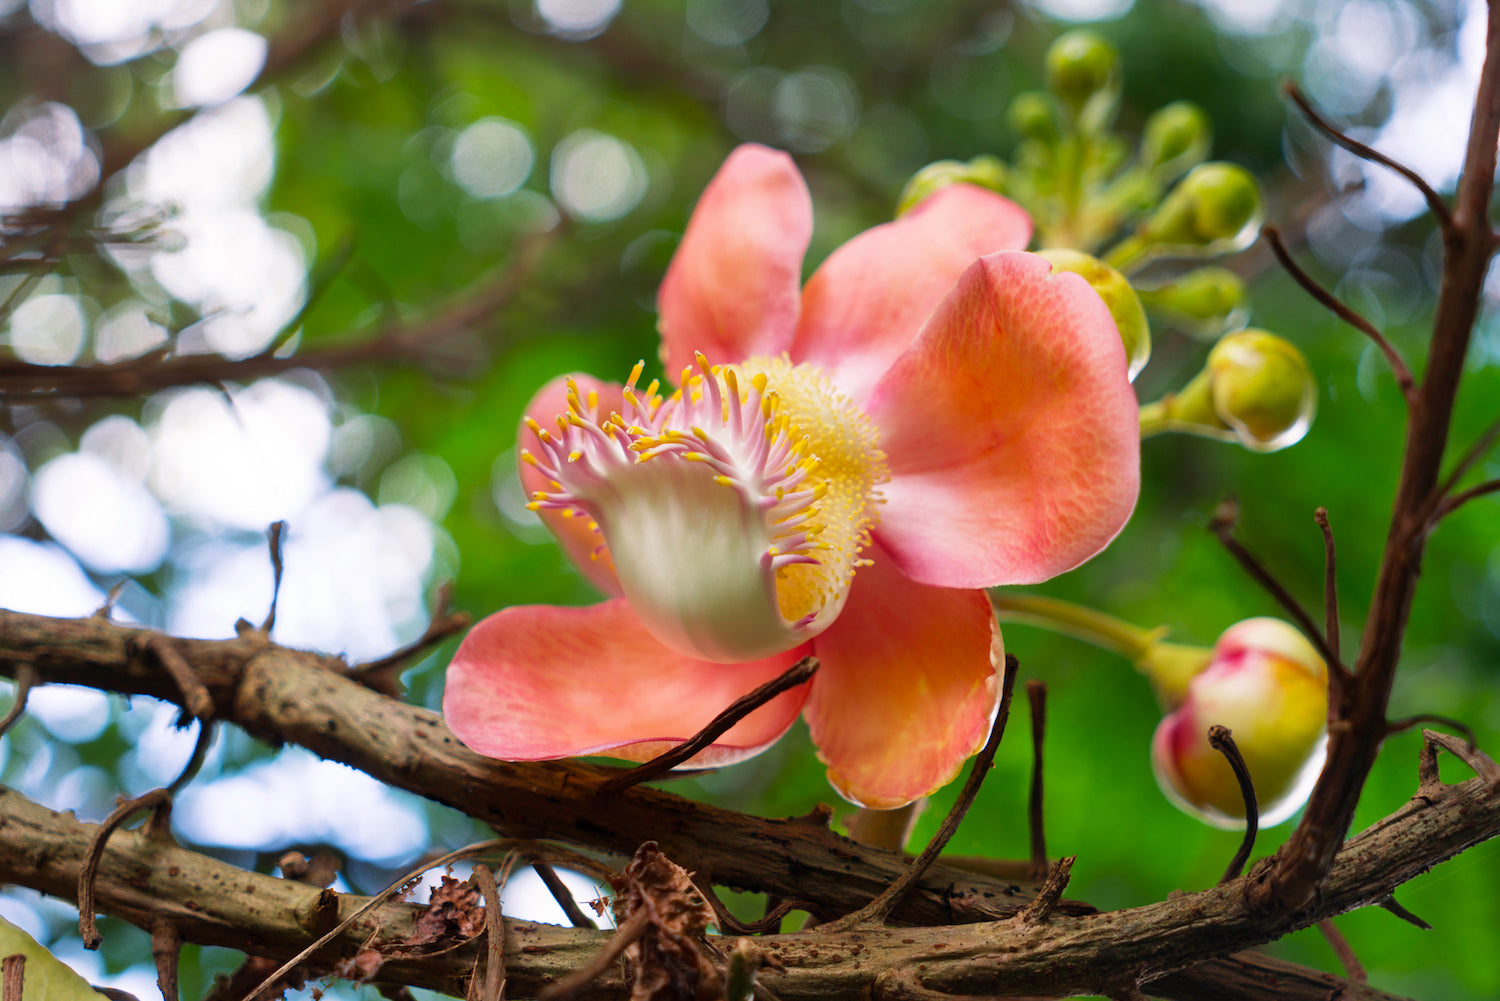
[1107, 214]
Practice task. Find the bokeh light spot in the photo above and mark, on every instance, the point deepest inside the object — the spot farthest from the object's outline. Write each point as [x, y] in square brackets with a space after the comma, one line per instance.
[492, 158]
[217, 65]
[47, 330]
[596, 177]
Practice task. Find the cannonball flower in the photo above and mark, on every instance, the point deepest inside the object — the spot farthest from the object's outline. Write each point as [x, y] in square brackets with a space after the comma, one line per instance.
[839, 471]
[1269, 686]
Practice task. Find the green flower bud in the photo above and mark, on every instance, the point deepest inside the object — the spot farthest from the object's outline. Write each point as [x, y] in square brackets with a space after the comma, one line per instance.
[1255, 389]
[1217, 207]
[1034, 116]
[1083, 70]
[1206, 302]
[1117, 294]
[984, 171]
[1176, 137]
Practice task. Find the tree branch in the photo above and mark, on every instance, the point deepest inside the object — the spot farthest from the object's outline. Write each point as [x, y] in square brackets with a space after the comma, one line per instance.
[145, 881]
[1358, 716]
[420, 342]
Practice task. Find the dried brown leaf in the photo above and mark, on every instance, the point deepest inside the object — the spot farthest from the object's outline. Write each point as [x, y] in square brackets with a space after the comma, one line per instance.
[666, 960]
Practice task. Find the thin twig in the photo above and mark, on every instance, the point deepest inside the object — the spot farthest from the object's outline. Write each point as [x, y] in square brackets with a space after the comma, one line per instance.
[383, 675]
[1475, 452]
[1458, 500]
[1220, 738]
[13, 977]
[166, 948]
[1036, 691]
[1330, 586]
[1393, 357]
[1039, 911]
[88, 930]
[576, 981]
[417, 342]
[468, 851]
[1222, 526]
[494, 926]
[1406, 723]
[877, 910]
[798, 674]
[1388, 902]
[562, 895]
[195, 760]
[1435, 201]
[195, 698]
[1341, 948]
[274, 538]
[25, 678]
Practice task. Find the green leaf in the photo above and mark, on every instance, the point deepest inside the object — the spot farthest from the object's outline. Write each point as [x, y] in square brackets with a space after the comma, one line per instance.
[47, 978]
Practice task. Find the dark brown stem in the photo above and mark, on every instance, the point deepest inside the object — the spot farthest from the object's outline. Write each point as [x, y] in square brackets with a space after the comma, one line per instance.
[166, 947]
[1406, 723]
[13, 977]
[1330, 588]
[1344, 312]
[877, 910]
[798, 674]
[1222, 526]
[1435, 201]
[494, 929]
[383, 675]
[1341, 948]
[1039, 911]
[1358, 718]
[1036, 691]
[25, 678]
[1475, 452]
[1388, 902]
[627, 933]
[1450, 504]
[1223, 741]
[274, 539]
[562, 895]
[88, 930]
[195, 697]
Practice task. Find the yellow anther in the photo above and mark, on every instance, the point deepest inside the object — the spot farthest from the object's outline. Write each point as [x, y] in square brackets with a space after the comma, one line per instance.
[758, 380]
[593, 399]
[568, 512]
[700, 434]
[540, 495]
[723, 481]
[528, 458]
[533, 506]
[575, 455]
[635, 373]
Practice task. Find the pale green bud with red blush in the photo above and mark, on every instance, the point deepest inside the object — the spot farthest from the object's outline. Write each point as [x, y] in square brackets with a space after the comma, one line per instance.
[1269, 686]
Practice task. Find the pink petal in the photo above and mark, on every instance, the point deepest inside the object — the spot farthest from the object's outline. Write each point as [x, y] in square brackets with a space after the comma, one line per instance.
[732, 288]
[869, 300]
[1010, 430]
[539, 681]
[906, 688]
[575, 536]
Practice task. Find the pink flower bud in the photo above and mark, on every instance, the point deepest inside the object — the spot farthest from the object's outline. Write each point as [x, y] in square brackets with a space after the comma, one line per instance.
[1268, 685]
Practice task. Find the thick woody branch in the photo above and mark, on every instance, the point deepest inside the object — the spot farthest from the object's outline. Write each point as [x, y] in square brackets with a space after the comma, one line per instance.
[287, 696]
[146, 881]
[292, 697]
